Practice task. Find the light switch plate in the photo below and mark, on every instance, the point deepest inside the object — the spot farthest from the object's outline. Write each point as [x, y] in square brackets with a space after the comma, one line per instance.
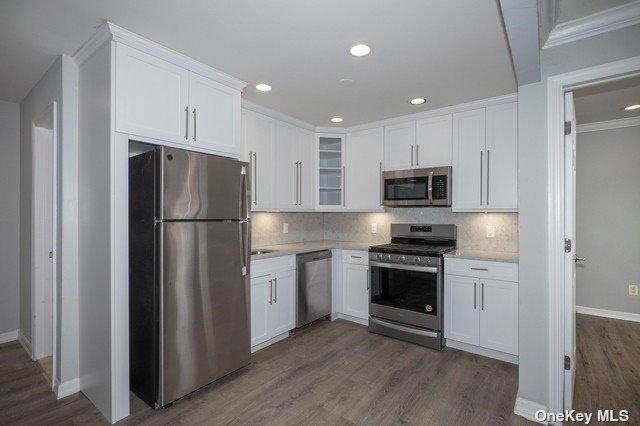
[285, 228]
[491, 231]
[633, 289]
[374, 228]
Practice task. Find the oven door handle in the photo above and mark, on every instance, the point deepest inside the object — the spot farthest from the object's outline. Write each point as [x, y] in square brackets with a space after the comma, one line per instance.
[434, 269]
[405, 329]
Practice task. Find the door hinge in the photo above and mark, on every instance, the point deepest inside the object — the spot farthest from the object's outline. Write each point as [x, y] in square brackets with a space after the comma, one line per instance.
[50, 255]
[567, 128]
[567, 245]
[567, 362]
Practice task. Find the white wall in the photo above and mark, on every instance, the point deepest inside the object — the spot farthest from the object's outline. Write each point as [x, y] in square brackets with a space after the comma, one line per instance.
[534, 193]
[9, 216]
[608, 218]
[59, 84]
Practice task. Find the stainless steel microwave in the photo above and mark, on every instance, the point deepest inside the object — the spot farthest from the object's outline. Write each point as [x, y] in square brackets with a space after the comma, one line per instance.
[417, 187]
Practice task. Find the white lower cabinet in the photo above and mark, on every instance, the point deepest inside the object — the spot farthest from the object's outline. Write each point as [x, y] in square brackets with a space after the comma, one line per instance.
[480, 310]
[355, 284]
[272, 298]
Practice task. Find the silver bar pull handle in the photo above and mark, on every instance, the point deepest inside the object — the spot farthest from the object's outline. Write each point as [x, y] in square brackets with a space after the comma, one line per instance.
[275, 291]
[356, 257]
[482, 296]
[381, 183]
[255, 177]
[480, 177]
[344, 186]
[475, 296]
[479, 269]
[186, 127]
[430, 187]
[368, 279]
[488, 173]
[251, 176]
[300, 185]
[411, 155]
[194, 124]
[246, 250]
[297, 182]
[271, 292]
[417, 155]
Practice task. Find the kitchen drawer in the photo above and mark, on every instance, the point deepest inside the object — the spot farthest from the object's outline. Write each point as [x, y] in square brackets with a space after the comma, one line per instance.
[503, 271]
[272, 265]
[355, 257]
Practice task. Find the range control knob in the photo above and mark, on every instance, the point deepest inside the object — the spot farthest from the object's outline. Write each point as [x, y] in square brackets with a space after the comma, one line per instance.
[403, 259]
[380, 256]
[388, 257]
[418, 259]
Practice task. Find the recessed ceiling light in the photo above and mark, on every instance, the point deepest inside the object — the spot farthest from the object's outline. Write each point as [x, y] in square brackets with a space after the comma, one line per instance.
[336, 120]
[632, 107]
[263, 87]
[417, 101]
[360, 50]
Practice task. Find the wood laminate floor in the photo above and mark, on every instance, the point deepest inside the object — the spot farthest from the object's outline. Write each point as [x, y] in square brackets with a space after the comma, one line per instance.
[327, 373]
[608, 366]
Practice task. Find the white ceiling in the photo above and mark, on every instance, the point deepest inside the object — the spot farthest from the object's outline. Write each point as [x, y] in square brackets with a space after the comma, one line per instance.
[607, 101]
[448, 51]
[568, 10]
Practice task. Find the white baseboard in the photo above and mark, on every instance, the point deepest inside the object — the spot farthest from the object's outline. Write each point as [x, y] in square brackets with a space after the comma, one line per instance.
[345, 317]
[66, 388]
[626, 316]
[9, 336]
[490, 353]
[269, 342]
[527, 409]
[26, 344]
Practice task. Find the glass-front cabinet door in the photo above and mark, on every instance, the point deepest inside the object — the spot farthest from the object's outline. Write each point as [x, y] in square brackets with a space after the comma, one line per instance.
[331, 171]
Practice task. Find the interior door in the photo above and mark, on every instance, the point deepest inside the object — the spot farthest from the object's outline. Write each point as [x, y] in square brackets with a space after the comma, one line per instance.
[204, 318]
[569, 258]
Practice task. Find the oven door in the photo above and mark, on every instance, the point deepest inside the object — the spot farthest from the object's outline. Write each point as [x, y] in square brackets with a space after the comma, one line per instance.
[407, 294]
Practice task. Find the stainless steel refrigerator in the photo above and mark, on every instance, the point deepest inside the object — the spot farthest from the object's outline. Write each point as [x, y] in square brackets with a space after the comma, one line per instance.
[189, 249]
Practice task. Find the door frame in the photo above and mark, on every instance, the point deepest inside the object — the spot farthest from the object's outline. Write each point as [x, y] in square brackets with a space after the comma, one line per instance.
[47, 118]
[558, 287]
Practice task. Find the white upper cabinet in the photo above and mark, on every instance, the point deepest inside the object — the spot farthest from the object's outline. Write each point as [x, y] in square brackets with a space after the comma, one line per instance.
[399, 146]
[215, 113]
[331, 169]
[151, 96]
[160, 100]
[363, 169]
[485, 159]
[287, 167]
[468, 160]
[307, 170]
[258, 134]
[433, 142]
[502, 157]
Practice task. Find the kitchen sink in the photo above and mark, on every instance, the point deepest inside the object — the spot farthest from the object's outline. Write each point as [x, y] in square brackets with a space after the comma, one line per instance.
[262, 251]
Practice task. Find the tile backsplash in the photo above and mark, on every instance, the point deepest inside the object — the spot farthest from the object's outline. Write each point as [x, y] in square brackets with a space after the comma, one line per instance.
[267, 228]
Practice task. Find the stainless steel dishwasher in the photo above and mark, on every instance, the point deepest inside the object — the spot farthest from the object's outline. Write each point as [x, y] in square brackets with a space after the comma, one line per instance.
[314, 286]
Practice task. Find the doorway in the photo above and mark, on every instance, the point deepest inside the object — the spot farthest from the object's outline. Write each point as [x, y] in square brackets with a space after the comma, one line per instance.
[44, 238]
[607, 247]
[561, 248]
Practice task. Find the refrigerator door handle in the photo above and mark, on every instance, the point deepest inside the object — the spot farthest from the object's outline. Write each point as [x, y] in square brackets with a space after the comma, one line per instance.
[245, 199]
[246, 250]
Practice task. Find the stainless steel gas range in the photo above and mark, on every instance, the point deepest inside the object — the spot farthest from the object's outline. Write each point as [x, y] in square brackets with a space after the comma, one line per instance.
[405, 299]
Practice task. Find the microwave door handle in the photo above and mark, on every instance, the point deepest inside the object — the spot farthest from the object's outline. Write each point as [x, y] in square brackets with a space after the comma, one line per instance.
[430, 188]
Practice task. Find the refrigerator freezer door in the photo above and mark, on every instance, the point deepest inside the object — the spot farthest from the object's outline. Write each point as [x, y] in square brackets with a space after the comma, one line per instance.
[205, 305]
[200, 186]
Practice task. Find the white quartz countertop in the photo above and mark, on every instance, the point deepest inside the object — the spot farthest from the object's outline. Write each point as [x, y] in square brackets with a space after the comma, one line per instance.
[494, 256]
[307, 247]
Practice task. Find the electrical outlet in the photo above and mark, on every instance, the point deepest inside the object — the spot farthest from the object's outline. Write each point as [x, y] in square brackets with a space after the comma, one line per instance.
[491, 231]
[633, 289]
[285, 228]
[374, 228]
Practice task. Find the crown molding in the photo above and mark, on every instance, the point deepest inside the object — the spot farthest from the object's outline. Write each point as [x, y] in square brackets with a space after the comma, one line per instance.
[608, 125]
[109, 31]
[597, 23]
[252, 106]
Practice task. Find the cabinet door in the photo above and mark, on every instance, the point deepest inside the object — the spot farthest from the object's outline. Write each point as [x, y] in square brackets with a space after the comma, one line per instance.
[363, 168]
[151, 96]
[434, 142]
[306, 156]
[461, 300]
[355, 290]
[499, 316]
[260, 298]
[502, 157]
[282, 312]
[399, 146]
[469, 171]
[258, 135]
[215, 116]
[286, 168]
